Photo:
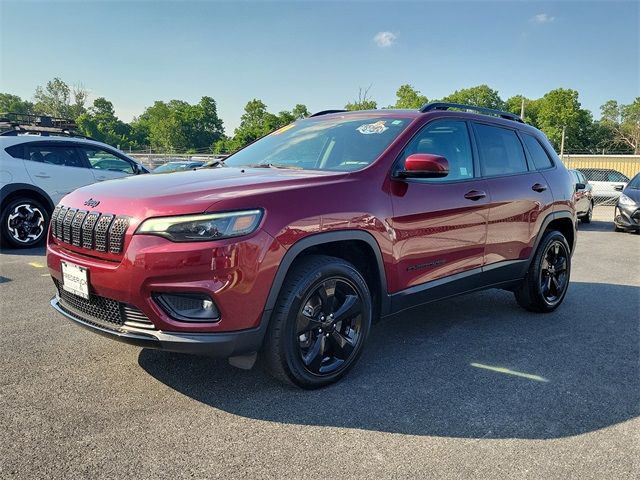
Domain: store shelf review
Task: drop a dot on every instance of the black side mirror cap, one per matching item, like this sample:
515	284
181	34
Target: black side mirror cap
580	186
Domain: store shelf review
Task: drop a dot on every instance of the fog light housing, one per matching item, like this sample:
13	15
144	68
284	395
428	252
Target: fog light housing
188	307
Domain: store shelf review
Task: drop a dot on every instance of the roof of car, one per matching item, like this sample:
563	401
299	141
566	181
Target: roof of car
15	139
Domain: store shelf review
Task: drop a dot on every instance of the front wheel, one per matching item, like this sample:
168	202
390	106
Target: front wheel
545	285
24	223
320	322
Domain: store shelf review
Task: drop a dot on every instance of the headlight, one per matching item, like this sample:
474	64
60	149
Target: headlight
205	227
624	200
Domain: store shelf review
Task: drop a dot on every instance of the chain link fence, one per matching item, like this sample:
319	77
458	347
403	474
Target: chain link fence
607	174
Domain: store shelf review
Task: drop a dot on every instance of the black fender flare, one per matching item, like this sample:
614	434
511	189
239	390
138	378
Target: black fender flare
10	188
548	219
318	239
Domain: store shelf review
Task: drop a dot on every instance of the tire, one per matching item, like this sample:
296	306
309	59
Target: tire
547	280
305	345
24	223
586	218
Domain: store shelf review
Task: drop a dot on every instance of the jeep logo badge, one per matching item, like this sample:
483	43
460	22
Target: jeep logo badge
92	203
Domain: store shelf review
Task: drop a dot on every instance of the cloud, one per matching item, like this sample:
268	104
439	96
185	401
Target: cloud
385	39
542	18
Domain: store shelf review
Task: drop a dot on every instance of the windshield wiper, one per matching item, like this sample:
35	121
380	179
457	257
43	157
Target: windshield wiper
273	165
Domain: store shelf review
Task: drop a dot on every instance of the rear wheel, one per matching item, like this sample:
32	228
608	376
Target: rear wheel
586	218
320	322
545	285
24	223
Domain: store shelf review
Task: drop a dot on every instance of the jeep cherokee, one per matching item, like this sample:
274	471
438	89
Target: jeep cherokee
311	233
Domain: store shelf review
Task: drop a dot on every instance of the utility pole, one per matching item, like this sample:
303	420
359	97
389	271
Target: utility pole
522	109
564	129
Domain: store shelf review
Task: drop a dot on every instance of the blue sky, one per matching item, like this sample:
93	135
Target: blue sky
318	53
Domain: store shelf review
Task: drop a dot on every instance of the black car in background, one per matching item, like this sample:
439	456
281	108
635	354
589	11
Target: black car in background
627	212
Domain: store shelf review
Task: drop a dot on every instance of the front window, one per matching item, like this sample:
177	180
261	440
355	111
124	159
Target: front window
333	144
101	159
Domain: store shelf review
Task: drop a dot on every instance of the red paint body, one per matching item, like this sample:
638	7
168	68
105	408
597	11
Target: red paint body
413	224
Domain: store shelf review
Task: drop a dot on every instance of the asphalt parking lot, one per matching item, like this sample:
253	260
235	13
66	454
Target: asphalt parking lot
472	387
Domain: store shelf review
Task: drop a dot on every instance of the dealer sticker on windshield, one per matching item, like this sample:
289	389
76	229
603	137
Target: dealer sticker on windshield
371	128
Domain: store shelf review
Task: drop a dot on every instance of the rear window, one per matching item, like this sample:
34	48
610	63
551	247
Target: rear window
16	151
501	152
538	154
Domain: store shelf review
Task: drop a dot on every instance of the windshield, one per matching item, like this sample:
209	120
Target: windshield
635	182
333	144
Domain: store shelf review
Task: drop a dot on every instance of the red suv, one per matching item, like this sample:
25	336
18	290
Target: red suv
294	246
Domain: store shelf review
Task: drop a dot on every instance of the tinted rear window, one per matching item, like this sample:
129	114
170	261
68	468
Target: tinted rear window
538	154
501	152
16	151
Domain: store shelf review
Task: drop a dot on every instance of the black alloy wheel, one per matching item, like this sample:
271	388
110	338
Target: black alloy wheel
554	277
329	326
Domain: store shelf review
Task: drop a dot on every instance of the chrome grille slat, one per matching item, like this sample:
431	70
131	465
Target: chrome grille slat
87	229
60	221
116	234
76	227
91	230
66	225
101	231
54	219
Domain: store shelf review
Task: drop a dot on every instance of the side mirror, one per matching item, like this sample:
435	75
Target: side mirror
580	186
425	165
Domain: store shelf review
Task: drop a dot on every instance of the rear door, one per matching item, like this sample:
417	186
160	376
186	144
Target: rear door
56	167
104	163
520	195
440	224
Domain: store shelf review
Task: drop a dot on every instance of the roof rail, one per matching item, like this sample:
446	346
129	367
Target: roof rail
12	124
487	111
326	112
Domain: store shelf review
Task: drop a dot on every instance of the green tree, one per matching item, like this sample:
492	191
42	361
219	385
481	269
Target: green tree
623	122
480	96
14	104
514	105
560	108
101	123
300	111
409	97
363	102
59	100
177	126
256	122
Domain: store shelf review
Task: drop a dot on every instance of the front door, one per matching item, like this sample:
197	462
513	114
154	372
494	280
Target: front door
440	224
56	168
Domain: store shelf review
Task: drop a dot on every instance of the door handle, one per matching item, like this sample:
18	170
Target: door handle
475	195
538	187
42	176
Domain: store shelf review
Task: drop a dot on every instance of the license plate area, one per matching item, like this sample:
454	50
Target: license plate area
75	279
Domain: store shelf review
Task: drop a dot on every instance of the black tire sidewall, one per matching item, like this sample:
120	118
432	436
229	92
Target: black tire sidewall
7	239
295	367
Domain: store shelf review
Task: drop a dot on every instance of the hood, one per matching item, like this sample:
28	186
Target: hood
191	191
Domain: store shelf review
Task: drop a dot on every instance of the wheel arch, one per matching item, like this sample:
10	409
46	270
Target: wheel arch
562	221
355	246
16	190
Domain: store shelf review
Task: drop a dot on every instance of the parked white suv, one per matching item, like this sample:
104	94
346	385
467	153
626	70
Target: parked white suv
36	171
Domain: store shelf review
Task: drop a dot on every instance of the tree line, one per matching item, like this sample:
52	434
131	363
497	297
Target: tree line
178	126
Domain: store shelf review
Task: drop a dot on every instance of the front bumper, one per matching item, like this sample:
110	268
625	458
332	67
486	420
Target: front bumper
627	217
222	345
